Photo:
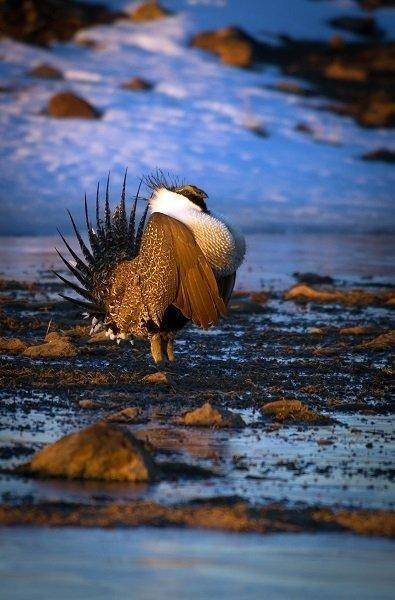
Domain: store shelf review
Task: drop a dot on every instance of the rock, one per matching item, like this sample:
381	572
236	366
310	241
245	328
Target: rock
324	442
89	404
354	330
317	330
304	128
260	297
381	342
43	21
344	72
377	111
12	345
231	44
291	87
137	84
381	154
248	307
66	105
132	414
159	377
55	345
89	43
255	127
305	293
149	11
45	71
336	42
285	410
210	416
101	451
312	278
366	26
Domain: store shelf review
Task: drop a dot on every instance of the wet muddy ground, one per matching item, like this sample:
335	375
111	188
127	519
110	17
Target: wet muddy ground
271	474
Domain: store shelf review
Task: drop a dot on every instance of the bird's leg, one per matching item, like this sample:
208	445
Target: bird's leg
163	346
170	349
156	347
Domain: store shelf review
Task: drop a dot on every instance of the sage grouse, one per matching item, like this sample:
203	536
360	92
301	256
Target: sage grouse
149	281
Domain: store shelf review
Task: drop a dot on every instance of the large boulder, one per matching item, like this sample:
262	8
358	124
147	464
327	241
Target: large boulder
231	44
101	451
66	105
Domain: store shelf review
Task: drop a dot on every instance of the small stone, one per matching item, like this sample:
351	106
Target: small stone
137	84
317	330
12	345
381	154
210	416
55	345
356	297
291	87
288	410
304	128
159	377
343	72
354	330
45	71
101	451
231	44
66	105
127	415
88	404
337	42
246	306
149	11
260	297
378	111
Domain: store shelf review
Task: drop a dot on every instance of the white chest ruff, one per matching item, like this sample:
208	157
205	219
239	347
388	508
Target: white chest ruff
222	245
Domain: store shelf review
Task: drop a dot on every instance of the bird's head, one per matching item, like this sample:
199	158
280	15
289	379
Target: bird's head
171	197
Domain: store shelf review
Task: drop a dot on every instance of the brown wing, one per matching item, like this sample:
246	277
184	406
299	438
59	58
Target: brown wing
173	270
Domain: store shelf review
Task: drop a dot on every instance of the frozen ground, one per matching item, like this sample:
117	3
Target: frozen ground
190	124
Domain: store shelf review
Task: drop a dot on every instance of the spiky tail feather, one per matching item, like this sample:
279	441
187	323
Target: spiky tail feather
116	239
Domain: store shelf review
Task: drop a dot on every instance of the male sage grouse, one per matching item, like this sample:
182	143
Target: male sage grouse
149	281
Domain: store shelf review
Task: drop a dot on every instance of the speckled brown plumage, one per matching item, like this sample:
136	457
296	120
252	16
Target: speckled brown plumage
169	270
148	283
